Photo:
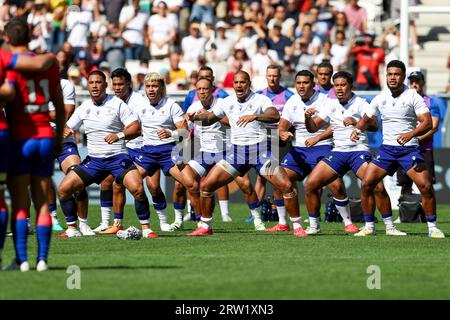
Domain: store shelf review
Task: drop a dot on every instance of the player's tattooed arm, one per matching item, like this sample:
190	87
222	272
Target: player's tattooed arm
312	123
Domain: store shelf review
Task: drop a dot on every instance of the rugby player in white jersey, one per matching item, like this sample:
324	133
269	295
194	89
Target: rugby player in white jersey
342	114
68	159
211	148
400	108
121	82
108	121
307	148
163	125
246	112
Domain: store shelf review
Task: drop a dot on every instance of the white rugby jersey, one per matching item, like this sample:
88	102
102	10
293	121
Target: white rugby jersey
211	137
69	96
399	115
162	116
112	116
294	112
254	132
135	100
334	113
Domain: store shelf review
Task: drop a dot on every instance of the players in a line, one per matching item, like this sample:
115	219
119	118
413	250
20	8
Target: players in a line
400	108
108	121
246	112
32	145
308	148
342	114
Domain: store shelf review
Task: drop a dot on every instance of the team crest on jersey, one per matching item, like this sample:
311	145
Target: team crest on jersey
139	158
377	157
413	158
329	158
362	157
123	164
70	149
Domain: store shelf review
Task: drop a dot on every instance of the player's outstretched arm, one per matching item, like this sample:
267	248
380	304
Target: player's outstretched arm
37	63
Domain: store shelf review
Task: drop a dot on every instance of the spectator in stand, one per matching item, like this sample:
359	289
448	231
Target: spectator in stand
63	62
74	76
173	7
356	16
239	55
263	58
84	67
395	14
292	10
193	46
193	78
341	24
133	28
287	24
326	55
77	23
202	11
390	42
57	34
112	10
233	69
171	85
175	71
222	46
277	41
114	48
67	49
339	51
161	32
288	74
303	59
40	21
314	42
250	32
96	52
236	13
369	59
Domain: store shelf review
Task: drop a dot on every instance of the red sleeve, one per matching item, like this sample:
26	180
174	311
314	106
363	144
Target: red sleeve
382	55
11	77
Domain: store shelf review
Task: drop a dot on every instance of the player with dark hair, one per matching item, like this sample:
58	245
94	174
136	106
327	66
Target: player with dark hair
400	108
32	147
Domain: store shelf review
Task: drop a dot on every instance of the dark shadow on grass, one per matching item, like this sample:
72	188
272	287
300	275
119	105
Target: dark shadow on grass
117	268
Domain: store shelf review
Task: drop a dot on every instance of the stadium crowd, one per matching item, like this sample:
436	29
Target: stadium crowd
133	136
232	35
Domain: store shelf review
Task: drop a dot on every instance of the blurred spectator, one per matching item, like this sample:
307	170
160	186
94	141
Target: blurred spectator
74	76
161	32
239	55
139	79
95	52
67	49
175	71
112	9
326	55
193	46
84	67
287	24
263	58
114	48
222	45
303	59
77	23
171	84
173	9
323	74
202	11
277	41
250	32
339	51
321	19
292	10
236	13
310	38
390	42
287	74
57	34
193	78
234	68
341	24
356	16
64	63
40	21
369	58
133	25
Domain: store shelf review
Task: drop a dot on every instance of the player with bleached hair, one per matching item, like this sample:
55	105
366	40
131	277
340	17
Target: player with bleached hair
343	114
400	108
246	112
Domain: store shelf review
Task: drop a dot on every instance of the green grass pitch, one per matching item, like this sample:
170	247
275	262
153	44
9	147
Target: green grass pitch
239	263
